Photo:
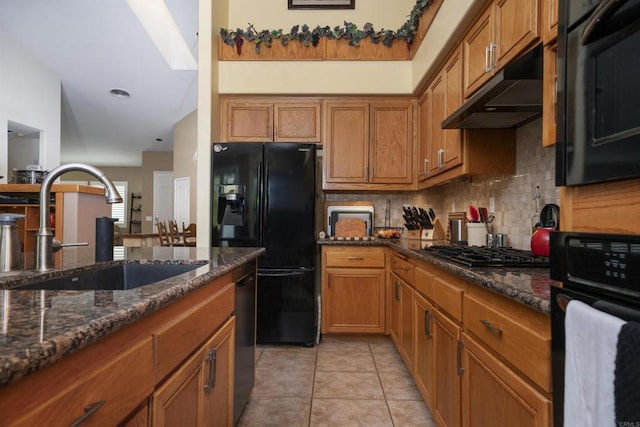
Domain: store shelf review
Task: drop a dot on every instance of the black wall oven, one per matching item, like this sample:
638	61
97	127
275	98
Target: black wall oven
598	91
600	270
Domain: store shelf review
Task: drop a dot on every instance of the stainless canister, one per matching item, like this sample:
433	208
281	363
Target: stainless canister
10	250
457	230
496	240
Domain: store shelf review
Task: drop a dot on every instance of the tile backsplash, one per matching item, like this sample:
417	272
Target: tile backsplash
513	194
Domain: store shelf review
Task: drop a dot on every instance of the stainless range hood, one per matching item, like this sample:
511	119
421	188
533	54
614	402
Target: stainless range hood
510	99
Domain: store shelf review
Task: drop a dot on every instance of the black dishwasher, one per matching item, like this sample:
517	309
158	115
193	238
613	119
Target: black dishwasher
245	347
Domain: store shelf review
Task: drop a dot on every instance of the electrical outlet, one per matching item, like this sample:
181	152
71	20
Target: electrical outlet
148	218
492	204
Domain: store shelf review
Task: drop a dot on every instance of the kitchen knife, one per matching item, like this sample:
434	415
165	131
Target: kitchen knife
432	214
425	220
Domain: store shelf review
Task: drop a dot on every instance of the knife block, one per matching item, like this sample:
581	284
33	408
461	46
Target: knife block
413	234
435	233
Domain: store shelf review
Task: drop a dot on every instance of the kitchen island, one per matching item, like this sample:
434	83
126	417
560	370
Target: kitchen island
58	347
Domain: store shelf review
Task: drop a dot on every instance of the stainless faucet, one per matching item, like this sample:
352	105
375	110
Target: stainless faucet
44	238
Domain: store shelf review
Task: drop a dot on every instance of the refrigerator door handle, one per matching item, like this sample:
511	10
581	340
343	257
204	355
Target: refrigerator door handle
265	209
259	204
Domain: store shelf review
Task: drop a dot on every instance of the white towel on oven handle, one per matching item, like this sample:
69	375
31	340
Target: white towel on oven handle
591	337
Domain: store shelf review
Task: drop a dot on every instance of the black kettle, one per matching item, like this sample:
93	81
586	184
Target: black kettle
550	216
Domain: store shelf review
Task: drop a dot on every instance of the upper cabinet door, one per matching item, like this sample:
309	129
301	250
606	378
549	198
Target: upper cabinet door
505	30
391	143
516	28
247	121
549	21
453	101
477	47
297	122
424	136
346	148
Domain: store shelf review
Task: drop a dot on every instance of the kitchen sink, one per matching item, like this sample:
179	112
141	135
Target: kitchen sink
115	278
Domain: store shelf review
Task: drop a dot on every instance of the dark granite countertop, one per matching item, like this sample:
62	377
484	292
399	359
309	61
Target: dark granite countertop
528	286
39	327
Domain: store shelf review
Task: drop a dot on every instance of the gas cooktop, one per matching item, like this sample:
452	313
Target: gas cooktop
476	256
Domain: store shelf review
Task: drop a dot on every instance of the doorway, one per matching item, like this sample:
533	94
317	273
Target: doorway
162	196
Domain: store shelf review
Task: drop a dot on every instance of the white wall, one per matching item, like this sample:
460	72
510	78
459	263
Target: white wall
31	95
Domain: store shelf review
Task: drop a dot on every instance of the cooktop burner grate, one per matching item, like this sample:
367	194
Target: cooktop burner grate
475	256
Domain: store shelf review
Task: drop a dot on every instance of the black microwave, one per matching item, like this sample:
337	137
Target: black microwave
598	122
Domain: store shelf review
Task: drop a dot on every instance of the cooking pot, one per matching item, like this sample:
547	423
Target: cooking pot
550	216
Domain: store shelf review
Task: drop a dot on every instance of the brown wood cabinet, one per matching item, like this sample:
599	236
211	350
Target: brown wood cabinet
446	96
549	21
447	402
424	367
479	358
503	31
495	396
353	289
200	393
484	152
254	119
549	95
402	318
368	144
99	396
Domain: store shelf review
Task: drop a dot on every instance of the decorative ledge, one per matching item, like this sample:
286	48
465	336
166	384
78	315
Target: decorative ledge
334	49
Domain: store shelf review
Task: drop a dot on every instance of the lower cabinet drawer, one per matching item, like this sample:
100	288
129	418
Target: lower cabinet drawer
176	341
104	398
526	349
404	269
350	256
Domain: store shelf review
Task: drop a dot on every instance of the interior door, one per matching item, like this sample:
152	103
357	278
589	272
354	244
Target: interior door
162	195
182	200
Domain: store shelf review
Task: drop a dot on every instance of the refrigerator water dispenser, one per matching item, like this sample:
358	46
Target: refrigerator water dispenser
231	204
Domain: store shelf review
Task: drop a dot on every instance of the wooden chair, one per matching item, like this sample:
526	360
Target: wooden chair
164	235
174	234
189	234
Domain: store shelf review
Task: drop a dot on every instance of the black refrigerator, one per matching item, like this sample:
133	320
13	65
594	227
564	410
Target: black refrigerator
265	195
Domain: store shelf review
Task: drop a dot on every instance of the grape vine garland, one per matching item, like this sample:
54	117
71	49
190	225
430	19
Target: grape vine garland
311	37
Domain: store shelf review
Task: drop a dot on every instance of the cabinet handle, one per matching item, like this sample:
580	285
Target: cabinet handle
427	324
459	358
405	268
88	411
211	383
487	66
492	49
491	328
355	258
440	158
397	291
426	166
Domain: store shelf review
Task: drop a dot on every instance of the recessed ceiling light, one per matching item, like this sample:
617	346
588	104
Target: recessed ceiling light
120	93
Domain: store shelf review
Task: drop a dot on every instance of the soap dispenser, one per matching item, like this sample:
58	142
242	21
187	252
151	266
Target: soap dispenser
10	250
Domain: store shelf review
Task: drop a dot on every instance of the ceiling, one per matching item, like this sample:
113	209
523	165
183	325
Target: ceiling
98	45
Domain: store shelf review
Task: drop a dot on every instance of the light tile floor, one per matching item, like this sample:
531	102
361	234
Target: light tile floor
344	381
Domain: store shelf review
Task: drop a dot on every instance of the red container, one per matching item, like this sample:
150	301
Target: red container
540	241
